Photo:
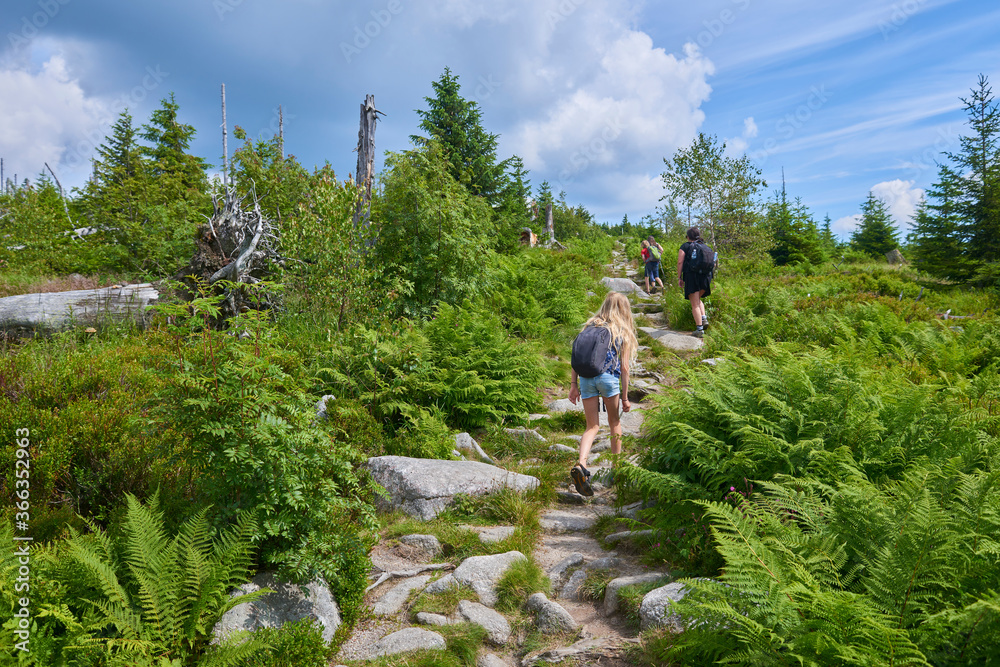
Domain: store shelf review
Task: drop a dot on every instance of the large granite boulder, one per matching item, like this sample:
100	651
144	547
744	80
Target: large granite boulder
623	285
53	311
551	617
406	640
673	340
656	609
424	487
480	573
611	591
497	627
287	604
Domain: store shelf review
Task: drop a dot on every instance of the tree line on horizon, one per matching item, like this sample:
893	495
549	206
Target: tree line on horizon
148	195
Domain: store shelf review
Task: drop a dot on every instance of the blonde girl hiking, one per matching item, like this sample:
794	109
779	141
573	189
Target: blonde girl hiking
610	381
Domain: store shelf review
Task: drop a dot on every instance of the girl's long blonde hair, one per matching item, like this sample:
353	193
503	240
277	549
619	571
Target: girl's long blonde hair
616	314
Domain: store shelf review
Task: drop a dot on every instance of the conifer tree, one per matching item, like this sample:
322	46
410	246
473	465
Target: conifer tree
169	141
977	174
456	125
827	241
877	234
937	242
795	236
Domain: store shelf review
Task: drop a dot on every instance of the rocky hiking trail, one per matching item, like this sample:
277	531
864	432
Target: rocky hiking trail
572	622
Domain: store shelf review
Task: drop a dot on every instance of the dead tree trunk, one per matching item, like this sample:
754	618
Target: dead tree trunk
549	225
225	145
238	245
366	161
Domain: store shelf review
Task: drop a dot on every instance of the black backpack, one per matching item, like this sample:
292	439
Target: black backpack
700	258
590	351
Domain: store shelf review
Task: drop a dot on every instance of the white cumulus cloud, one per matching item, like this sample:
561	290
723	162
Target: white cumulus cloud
901	199
47	118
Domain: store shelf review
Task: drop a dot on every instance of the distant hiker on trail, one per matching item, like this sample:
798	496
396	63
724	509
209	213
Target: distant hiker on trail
695	262
602	353
652	253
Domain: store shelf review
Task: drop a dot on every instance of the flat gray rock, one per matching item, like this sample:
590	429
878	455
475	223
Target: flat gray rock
562	448
424	487
614	538
490	660
656	608
428	544
496	626
615	585
396	597
480	573
571	589
464	442
54	311
624	286
427	618
551	617
528	434
562	521
406	640
492	534
558	571
674	340
570	498
287	604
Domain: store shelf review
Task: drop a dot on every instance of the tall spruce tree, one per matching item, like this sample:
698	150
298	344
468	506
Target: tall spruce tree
937	241
796	238
455	123
169	141
877	234
975	175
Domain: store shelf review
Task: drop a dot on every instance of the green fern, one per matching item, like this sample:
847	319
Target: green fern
157	596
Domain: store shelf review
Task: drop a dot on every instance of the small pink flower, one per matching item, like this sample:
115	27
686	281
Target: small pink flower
732	488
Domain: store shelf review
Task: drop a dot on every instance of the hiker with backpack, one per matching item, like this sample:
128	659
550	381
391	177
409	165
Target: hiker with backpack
602	353
695	263
652	253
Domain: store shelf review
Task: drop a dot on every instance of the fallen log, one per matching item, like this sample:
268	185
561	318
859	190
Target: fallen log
46	312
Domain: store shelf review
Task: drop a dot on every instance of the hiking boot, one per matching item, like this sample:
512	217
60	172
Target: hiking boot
699	332
704	322
581	479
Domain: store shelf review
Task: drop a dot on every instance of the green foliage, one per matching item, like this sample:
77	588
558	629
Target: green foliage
433	235
460	366
720	193
154	597
519	582
455	124
538	289
83	401
332	262
876	233
298	644
146	201
280	183
247	428
796	238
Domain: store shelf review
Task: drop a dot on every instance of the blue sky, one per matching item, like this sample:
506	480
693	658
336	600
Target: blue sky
846	97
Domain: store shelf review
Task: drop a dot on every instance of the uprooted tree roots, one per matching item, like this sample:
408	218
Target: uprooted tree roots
236	247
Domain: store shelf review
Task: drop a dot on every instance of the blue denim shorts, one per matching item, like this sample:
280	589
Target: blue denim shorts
605	384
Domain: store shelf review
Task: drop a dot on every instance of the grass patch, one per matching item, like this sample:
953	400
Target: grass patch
595	584
518	583
445	602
